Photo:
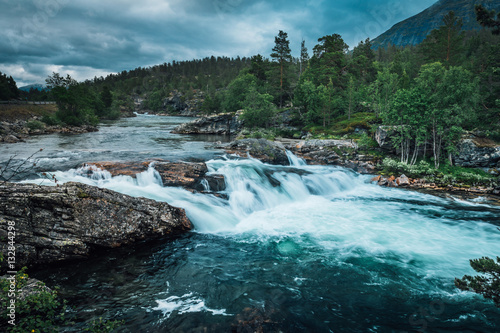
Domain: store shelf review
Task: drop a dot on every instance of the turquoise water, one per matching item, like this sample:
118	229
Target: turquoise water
292	249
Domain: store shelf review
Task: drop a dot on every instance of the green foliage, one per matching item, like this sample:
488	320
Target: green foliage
282	56
77	105
237	92
261	133
487	284
362	120
488	19
328	61
212	104
259	109
445	43
41	311
35	125
155	100
106	97
445	175
50	120
383	89
8	88
366	142
420	170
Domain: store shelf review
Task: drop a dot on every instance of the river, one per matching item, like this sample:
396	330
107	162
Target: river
295	249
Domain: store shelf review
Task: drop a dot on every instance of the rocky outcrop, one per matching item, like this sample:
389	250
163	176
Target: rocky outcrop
18	131
261	149
68	222
223	124
383	137
478	153
190	176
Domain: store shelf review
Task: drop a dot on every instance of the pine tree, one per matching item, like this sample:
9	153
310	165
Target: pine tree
282	55
445	43
304	57
488	284
487	19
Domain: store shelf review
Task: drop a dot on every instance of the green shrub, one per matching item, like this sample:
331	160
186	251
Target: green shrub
50	120
366	142
446	174
42	311
35	125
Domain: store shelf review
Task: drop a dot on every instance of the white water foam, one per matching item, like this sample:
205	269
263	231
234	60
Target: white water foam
185	304
327	208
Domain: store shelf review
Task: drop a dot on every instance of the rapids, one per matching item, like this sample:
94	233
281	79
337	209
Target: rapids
297	248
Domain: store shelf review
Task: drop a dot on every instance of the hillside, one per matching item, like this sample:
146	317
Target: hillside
413	30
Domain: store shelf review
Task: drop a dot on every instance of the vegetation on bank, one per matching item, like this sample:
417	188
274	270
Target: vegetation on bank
38	309
445	175
486	284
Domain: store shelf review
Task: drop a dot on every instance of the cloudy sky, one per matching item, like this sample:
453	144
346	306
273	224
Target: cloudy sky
87	38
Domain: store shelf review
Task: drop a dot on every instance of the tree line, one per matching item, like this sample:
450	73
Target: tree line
428	94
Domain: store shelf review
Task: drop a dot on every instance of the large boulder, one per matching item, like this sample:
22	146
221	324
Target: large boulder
261	149
477	153
49	224
224	123
383	137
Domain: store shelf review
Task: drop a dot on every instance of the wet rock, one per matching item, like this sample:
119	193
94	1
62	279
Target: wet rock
119	168
261	149
68	222
403	180
191	176
182	174
222	124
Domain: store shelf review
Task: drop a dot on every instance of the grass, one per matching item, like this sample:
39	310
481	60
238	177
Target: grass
13	112
344	128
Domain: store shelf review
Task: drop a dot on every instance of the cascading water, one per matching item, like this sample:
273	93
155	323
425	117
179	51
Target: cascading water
292	249
315	248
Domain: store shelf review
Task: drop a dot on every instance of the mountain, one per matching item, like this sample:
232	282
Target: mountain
413	30
36	86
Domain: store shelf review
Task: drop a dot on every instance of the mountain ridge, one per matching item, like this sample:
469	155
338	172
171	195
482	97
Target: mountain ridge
413	30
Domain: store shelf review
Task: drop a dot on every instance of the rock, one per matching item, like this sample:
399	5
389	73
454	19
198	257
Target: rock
403	181
383	181
182	174
322	157
191	176
383	137
175	102
314	145
261	149
68	222
477	153
117	168
222	124
11	139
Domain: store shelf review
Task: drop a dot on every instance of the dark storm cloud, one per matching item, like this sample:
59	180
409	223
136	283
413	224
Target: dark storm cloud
96	37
